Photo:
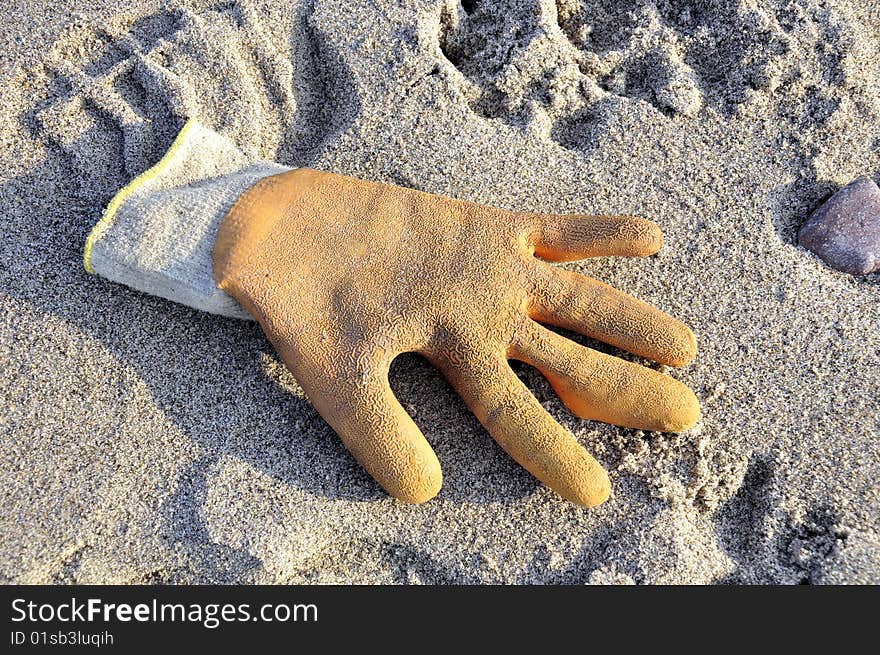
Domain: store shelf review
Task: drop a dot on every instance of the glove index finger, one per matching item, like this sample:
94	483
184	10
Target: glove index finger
524	429
567	237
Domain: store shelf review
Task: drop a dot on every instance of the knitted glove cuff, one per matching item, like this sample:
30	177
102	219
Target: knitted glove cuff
157	234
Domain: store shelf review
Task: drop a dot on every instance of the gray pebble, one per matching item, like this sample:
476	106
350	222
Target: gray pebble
845	231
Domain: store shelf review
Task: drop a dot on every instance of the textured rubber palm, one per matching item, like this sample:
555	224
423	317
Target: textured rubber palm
344	275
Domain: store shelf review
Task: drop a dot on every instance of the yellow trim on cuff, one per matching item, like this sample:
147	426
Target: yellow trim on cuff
123	194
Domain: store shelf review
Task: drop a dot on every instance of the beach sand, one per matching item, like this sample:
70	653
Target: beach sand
142	441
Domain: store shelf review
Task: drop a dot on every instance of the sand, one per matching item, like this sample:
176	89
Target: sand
142	441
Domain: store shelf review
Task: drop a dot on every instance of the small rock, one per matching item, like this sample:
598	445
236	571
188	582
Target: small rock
845	231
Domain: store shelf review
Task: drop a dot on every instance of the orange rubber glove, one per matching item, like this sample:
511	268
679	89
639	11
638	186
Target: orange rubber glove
344	275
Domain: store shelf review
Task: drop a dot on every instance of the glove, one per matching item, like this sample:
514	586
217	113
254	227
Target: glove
344	274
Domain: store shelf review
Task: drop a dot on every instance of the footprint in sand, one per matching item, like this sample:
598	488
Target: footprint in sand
141	81
566	63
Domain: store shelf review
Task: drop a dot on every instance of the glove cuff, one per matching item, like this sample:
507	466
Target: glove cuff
157	234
